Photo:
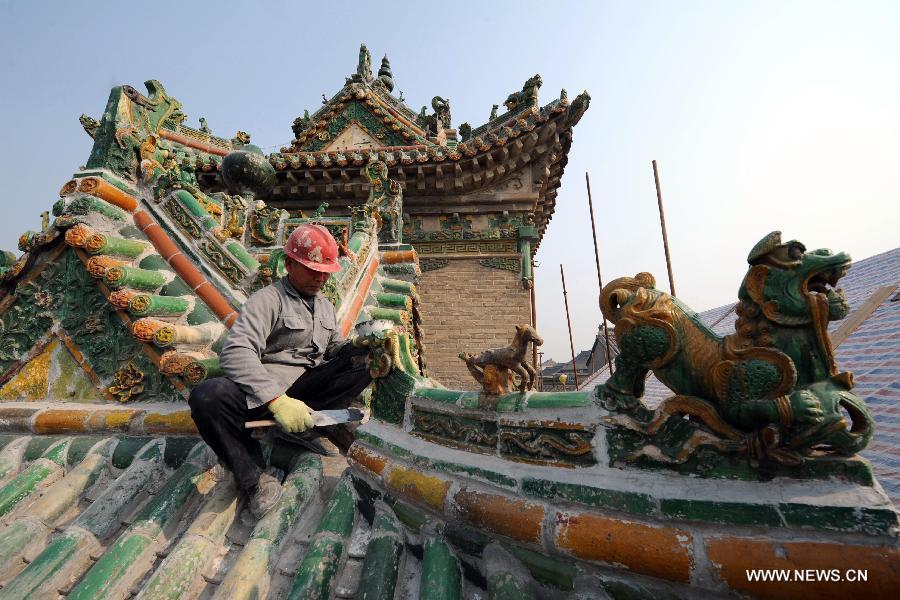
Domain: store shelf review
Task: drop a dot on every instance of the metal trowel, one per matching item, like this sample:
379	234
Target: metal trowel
321	418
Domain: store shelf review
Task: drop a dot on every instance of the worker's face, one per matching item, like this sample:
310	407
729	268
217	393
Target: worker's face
305	280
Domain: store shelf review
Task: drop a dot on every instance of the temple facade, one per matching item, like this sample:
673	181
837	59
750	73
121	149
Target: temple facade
476	200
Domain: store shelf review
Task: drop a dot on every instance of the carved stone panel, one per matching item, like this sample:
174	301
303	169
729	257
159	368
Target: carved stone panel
455	431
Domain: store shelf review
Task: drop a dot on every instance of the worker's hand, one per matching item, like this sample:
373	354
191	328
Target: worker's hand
291	414
358	341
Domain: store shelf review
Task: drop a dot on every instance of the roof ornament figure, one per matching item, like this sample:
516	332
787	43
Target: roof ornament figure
385	203
301	123
90	124
240	139
527	97
441	111
772	389
204	127
493	112
384	74
364	67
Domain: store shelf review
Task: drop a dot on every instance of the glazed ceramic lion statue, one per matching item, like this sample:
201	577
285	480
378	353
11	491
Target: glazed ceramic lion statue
772	388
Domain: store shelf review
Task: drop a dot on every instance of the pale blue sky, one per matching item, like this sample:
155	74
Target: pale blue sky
762	115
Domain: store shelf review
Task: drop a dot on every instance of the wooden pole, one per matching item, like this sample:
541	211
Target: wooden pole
587	179
662	222
534	349
541	372
569	322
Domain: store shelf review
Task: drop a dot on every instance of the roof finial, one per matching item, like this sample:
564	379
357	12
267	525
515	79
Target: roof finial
385	75
364	67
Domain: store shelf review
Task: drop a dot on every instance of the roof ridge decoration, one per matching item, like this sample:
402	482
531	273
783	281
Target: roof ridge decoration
166	265
314	133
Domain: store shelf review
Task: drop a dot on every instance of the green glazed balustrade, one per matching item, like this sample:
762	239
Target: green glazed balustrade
316	573
200	370
506	586
262	549
52	461
100	243
133	277
86	204
201	314
181	569
48	571
400	317
391	300
151	305
440	579
155	262
398	286
29	532
141	536
382	563
193	206
240	253
508	402
357	241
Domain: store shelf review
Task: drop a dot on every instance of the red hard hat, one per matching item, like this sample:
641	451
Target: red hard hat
313	247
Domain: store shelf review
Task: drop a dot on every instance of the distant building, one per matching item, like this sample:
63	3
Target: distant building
587	363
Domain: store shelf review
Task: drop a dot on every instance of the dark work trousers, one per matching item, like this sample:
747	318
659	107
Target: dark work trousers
219	408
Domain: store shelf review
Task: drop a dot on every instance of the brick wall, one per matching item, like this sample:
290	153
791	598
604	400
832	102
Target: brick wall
468	308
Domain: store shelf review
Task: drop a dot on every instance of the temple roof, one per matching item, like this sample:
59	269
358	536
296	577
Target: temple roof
141	261
442	169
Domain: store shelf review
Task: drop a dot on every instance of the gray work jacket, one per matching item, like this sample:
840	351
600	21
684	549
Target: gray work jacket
275	339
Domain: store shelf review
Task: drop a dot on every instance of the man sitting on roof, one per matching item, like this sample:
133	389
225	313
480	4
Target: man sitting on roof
283	357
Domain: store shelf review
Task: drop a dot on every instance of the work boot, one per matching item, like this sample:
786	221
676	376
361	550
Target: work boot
264	496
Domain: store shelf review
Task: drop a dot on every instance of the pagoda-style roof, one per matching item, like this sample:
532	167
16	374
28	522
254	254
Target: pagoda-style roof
141	272
521	153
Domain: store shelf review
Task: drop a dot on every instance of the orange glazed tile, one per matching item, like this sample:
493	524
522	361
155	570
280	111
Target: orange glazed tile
731	558
107	191
501	514
179	422
416	486
657	551
369	460
60	421
362	291
398	256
